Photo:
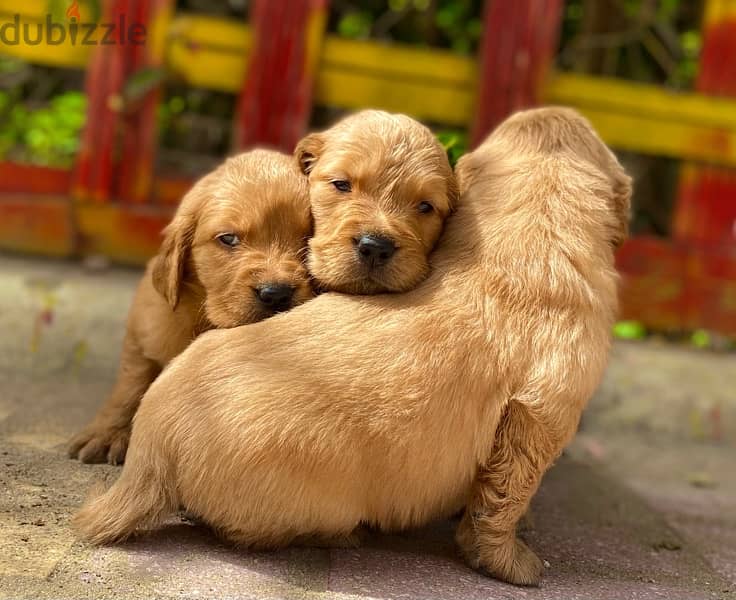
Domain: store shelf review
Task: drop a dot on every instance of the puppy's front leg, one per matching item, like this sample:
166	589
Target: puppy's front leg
106	437
524	448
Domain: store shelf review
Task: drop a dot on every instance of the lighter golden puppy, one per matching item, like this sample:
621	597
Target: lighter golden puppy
380	188
396	409
233	254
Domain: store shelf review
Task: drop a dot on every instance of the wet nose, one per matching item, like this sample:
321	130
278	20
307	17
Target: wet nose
375	250
276	296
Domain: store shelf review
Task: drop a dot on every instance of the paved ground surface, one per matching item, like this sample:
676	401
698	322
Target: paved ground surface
643	504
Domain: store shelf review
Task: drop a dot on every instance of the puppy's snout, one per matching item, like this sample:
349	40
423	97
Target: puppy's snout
276	297
375	250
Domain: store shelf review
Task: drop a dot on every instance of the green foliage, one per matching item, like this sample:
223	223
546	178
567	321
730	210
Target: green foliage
195	122
455	143
141	82
629	330
168	112
686	68
453	24
700	338
455	21
7	134
48	135
654	42
355	25
9	65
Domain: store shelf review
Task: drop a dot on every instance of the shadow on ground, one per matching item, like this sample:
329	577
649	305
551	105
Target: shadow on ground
635	509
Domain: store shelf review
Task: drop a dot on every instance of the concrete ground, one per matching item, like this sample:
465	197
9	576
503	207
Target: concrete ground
643	504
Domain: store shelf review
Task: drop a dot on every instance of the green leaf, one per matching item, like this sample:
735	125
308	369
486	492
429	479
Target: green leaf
397	5
355	25
10	64
141	82
177	105
691	42
700	338
455	143
629	330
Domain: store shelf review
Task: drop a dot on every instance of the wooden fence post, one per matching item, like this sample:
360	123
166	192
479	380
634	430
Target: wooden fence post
706	208
276	99
117	154
93	177
518	44
140	135
705	212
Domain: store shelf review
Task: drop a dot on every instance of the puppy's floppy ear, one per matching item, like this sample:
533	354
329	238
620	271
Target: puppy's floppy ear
465	170
584	141
621	203
308	151
453	192
168	266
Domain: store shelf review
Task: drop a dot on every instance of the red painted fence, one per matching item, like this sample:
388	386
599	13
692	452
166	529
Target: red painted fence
118	204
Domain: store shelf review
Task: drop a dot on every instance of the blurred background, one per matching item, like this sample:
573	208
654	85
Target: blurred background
99	141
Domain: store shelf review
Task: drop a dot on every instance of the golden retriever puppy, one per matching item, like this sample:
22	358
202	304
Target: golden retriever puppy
380	188
396	409
378	215
233	254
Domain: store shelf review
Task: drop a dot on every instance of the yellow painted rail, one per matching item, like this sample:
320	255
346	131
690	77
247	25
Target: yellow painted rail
429	84
650	119
433	85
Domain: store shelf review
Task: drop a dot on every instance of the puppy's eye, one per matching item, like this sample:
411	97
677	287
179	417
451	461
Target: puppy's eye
228	239
342	185
425	208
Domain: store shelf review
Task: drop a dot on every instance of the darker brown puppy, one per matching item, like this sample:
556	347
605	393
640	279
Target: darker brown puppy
380	188
233	254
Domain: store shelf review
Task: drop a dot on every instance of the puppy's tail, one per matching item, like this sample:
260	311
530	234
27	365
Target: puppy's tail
141	498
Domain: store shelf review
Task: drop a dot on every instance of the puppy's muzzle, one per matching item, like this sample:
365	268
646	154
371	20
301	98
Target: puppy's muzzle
275	297
375	250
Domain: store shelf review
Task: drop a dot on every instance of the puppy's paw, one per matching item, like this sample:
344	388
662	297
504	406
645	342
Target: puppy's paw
512	561
99	443
521	566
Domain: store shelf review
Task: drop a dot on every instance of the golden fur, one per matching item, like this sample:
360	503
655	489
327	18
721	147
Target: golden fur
196	283
394	167
396	409
188	289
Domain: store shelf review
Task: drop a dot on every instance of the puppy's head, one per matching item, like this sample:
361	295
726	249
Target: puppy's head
562	132
380	188
239	236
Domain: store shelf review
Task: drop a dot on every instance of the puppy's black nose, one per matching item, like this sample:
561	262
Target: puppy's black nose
276	296
375	249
